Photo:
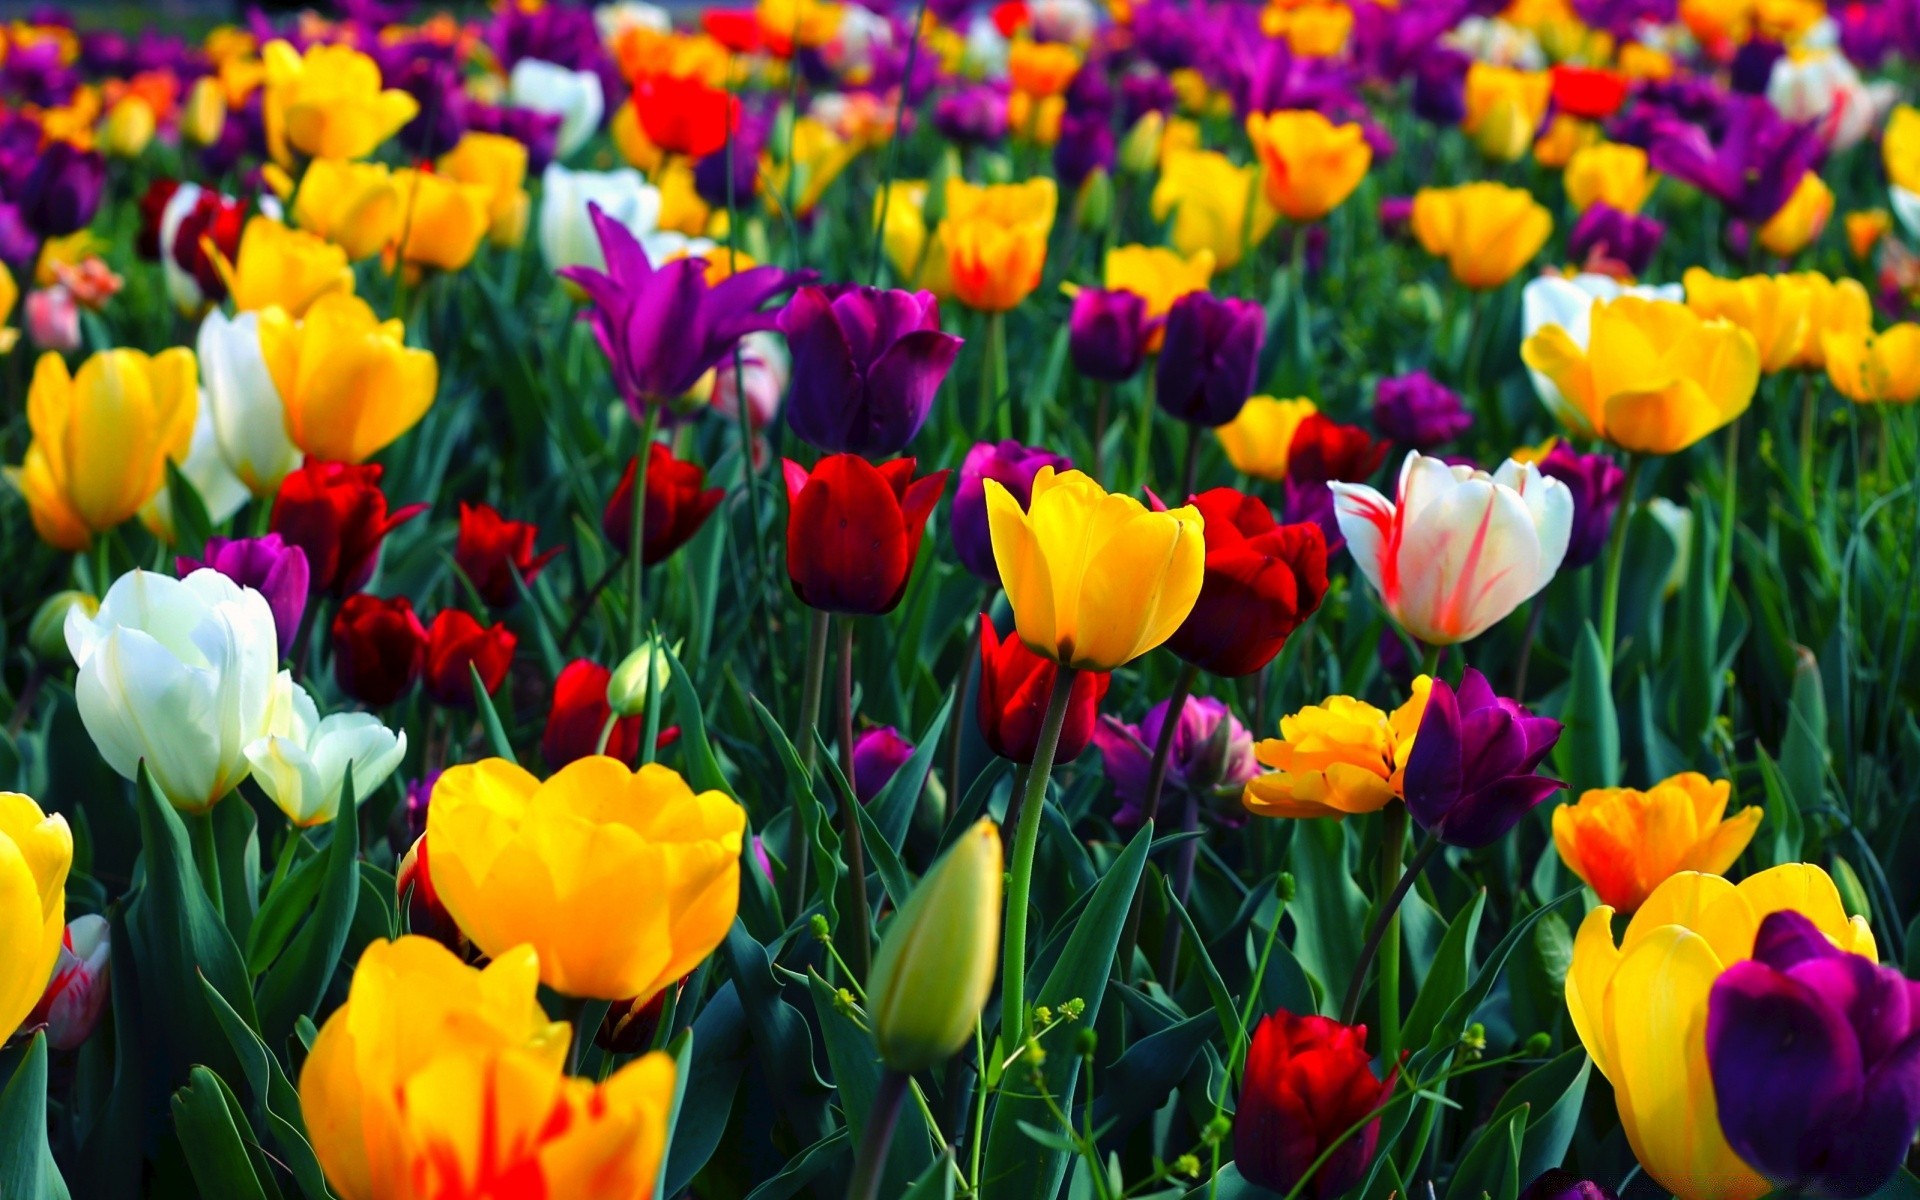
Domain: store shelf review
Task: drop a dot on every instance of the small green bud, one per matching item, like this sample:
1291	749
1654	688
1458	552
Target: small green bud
1073	1009
1095	202
48	633
1140	149
1284	888
1188	1165
1217	1130
844	1003
1042	1015
822	932
630	686
1085	1041
1033	1054
1537	1046
1474	1041
1419	303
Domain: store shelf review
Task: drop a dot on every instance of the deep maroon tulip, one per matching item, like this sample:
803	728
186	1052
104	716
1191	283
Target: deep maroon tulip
1262	580
379	647
1440	86
1565	1185
854	530
435	85
62	192
974	115
1015	685
1208	359
866	365
1604	235
337	513
1418	410
1013	467
678	504
1309	1080
457	642
1471	775
877	755
1211	752
1597	483
491	549
579	715
1815	1056
1085	145
269	566
1323	450
1107	333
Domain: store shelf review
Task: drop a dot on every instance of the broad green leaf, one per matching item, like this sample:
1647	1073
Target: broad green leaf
26	1164
207	1120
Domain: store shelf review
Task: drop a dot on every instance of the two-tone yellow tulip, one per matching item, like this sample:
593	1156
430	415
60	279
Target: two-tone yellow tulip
996	240
1207	196
1624	842
1336	758
1609	173
820	156
1259	442
350	383
102	438
1159	276
1640	1009
1654	376
1875	368
1095	580
1775	309
129	127
356	206
1485	231
1505	108
498	164
622	880
204	115
328	102
1311	164
1833	306
442	220
1800	220
280	267
36	851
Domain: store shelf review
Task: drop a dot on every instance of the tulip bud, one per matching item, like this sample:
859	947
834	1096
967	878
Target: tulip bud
631	685
1095	203
129	127
1853	896
47	636
205	114
1140	149
936	962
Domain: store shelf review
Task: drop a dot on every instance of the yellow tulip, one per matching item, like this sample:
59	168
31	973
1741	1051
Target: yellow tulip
441	220
328	102
1641	1011
1654	377
498	164
1505	108
1624	842
1565	137
9	296
1865	228
1336	758
102	438
919	259
820	156
436	1078
1875	368
1900	148
1800	220
996	240
129	127
1310	30
350	384
1041	68
1833	306
36	851
681	208
284	268
1311	164
1207	197
205	113
1259	441
1095	580
936	964
1485	231
630	139
623	881
1775	309
356	206
1612	174
1035	119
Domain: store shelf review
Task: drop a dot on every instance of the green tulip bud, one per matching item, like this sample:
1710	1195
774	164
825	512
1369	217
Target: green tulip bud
1140	149
630	686
1095	203
48	633
936	963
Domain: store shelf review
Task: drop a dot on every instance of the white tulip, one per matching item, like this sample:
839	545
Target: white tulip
1460	549
613	20
249	419
567	237
1568	303
304	771
220	490
1906	207
182	287
1824	88
181	673
549	88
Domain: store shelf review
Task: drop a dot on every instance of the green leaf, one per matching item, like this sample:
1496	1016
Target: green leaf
1903	1186
286	903
827	867
856	1073
1697	684
803	1168
1553	1094
935	1183
780	1035
1782	826
191	524
1452	965
892	809
713	1076
294	985
1491	1164
1446	1033
26	1164
1803	746
1588	753
276	1105
207	1120
1139	1080
489	719
1330	911
681	1050
703	769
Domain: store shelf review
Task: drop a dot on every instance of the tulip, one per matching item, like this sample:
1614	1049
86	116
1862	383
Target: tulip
1459	549
1505	109
1624	842
1259	442
182	674
1337	758
934	970
1875	368
350	383
444	219
567	201
286	268
459	646
685	116
1485	231
1609	173
974	115
204	115
580	714
1565	1185
1642	1010
249	420
866	366
1108	334
1418	411
337	514
1569	303
1095	580
70	1008
1015	684
996	240
762	378
878	754
327	102
379	648
1470	776
268	565
62	191
304	770
1597	484
1590	93
1310	164
518	862
492	551
1158	276
820	155
1834	306
1795	225
1655	377
203	470
1207	197
1775	309
574	96
499	165
36	851
102	438
439	1077
1325	450
47	632
1308	1081
1209	359
1261	581
52	320
1209	752
356	206
1865	230
854	530
197	239
1607	238
677	505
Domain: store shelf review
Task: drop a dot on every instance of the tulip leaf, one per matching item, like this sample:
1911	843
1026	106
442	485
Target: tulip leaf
825	844
1553	1093
191	524
1491	1164
856	1075
893	808
703	768
276	1105
1447	978
680	1049
1782	825
975	804
26	1164
293	986
207	1120
286	902
103	1167
236	832
713	1076
780	1035
803	1168
1698	684
1446	1033
1588	753
489	720
1139	1080
934	1183
1330	911
1803	746
886	863
1903	1186
1195	944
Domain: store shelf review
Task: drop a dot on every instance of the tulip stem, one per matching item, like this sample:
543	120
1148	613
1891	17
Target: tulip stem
1013	997
637	536
1190	466
888	1097
1616	557
1729	483
861	949
1387	915
1103	400
206	853
809	754
1150	803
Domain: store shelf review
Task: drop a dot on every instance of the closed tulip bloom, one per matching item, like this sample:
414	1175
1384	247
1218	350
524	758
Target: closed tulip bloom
379	648
1324	450
1418	411
102	438
518	861
350	383
284	268
1775	309
444	219
1209	359
491	550
1158	276
337	513
1459	549
1641	1009
1833	306
204	115
1336	758
304	770
249	420
1095	579
567	199
1015	684
877	755
678	504
1800	220
1624	842
685	116
1875	368
1654	377
854	530
328	102
1605	237
578	715
182	674
1259	441
1309	1080
1262	581
356	206
457	647
1211	753
1590	93
62	190
1311	164
1207	195
497	164
36	851
996	241
129	127
1505	109
77	993
576	97
1470	776
1597	484
1107	334
867	363
1609	173
936	962
268	565
1485	231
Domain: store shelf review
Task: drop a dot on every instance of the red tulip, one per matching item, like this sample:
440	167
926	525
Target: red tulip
677	505
426	915
1324	450
1309	1080
455	641
491	548
738	29
854	530
580	712
378	648
685	116
337	513
1262	580
1015	684
1591	93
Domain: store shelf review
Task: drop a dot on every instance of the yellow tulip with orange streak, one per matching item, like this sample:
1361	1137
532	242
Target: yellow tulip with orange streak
1624	842
995	239
1505	109
1311	164
1337	758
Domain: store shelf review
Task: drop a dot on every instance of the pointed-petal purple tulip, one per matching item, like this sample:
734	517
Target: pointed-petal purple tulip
867	363
1471	775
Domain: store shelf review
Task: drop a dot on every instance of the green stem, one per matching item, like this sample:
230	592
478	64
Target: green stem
809	755
1150	806
1729	482
861	916
637	537
206	855
1393	842
1013	1002
1389	910
878	1138
1616	558
1143	437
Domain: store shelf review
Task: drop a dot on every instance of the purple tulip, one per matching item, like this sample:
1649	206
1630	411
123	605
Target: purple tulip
866	365
1440	87
1752	67
1396	216
1085	146
1471	775
1107	333
419	799
539	132
434	83
1597	483
1621	17
974	115
877	755
18	245
274	568
1167	33
1754	165
1565	1185
749	139
62	192
1209	357
1142	94
1013	467
664	327
1417	410
1211	750
1815	1056
1605	232
1310	501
